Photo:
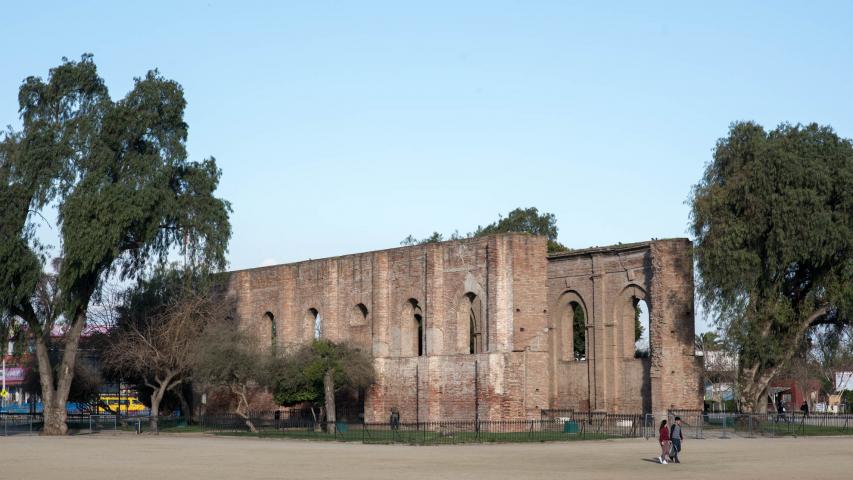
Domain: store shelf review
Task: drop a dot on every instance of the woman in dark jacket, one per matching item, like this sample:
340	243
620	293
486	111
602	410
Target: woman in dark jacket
663	438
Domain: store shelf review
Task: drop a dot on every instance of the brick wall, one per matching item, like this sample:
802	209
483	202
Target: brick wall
606	282
505	274
520	296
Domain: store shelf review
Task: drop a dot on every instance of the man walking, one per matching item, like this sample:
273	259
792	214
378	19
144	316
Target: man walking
676	436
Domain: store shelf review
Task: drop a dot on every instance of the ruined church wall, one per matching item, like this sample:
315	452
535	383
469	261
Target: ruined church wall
606	282
367	299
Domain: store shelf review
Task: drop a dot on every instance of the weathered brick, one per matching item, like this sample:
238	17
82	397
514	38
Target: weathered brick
521	295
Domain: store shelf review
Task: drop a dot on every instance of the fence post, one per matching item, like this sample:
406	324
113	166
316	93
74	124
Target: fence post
725	420
751	434
700	433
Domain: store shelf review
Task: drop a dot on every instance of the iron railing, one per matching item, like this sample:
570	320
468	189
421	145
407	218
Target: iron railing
577	426
698	424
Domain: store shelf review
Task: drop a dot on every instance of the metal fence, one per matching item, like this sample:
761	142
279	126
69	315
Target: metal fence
15	423
553	425
576	426
698	424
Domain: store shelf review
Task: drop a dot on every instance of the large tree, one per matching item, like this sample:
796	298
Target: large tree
773	224
126	195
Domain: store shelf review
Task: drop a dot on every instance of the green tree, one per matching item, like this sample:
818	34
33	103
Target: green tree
707	341
579	326
773	223
520	220
126	196
314	373
638	325
229	357
526	220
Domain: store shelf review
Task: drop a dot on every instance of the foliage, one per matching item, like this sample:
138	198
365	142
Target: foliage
773	224
299	374
638	325
85	387
519	220
228	357
831	352
159	331
707	341
526	221
579	326
125	192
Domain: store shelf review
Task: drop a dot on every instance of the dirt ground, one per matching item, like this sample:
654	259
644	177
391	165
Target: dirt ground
130	457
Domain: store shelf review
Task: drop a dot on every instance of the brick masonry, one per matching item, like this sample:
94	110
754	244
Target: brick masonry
519	297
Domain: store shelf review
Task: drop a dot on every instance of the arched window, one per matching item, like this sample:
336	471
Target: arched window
578	319
269	318
413	328
312	318
359	315
642	345
472	308
419	320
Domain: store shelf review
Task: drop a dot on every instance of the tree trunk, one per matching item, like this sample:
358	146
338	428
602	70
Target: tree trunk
754	379
56	396
156	398
753	382
54	419
329	394
185	406
243	406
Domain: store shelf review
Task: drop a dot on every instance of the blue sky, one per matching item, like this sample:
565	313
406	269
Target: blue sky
345	126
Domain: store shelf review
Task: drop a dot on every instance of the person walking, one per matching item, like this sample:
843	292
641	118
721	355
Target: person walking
676	435
663	438
780	411
805	409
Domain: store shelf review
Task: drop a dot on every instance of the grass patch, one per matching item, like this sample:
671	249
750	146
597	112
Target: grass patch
422	437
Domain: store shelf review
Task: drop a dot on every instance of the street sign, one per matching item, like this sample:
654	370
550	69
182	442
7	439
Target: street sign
4	393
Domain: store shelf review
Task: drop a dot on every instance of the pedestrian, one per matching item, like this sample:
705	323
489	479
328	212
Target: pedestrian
676	435
780	411
394	420
663	438
805	409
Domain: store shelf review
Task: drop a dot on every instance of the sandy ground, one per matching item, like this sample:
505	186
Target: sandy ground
128	457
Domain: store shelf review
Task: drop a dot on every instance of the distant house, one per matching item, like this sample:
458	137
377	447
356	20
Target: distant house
792	394
720	374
